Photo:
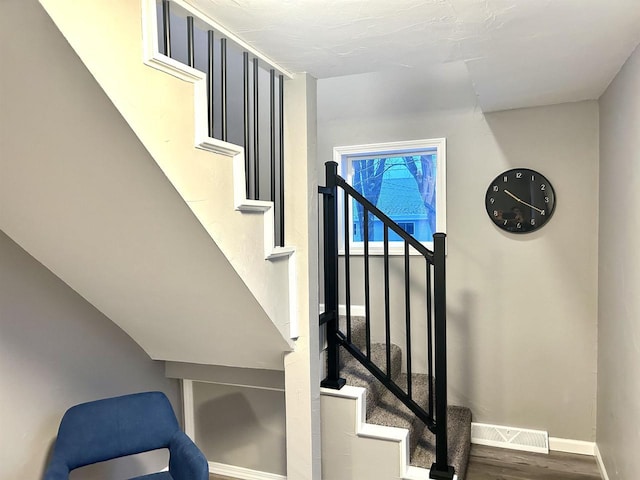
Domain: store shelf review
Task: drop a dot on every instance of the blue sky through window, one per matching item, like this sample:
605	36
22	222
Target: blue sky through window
403	187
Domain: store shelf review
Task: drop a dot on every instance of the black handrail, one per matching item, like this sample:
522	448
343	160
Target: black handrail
434	414
258	172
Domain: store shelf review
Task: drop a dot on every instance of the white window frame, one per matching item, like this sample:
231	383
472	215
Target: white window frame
343	155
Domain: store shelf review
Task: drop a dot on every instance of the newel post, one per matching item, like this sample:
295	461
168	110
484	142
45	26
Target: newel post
440	470
330	237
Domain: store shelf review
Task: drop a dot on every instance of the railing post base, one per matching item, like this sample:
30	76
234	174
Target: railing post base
335	384
438	474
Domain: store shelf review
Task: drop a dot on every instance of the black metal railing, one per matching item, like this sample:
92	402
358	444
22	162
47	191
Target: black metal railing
235	119
434	412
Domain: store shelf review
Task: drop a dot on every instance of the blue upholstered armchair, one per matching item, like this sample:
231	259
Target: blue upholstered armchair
115	427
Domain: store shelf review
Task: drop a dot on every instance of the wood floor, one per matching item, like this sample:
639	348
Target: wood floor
487	463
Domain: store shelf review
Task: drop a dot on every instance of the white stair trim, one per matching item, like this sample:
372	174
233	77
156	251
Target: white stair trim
153	58
388	434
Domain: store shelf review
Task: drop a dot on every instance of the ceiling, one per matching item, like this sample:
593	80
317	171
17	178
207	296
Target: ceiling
518	53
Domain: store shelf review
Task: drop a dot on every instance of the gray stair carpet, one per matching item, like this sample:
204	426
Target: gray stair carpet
383	408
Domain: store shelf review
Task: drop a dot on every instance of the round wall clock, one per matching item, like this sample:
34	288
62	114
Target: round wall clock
520	200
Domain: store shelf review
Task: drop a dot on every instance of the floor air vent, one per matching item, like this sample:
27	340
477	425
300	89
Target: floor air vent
510	437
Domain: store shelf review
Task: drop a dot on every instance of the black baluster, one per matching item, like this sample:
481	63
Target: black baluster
407	314
245	73
166	22
347	266
256	131
190	48
367	302
210	72
387	317
281	134
223	88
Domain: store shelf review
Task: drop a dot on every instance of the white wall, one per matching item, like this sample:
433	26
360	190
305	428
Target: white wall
618	423
521	309
56	350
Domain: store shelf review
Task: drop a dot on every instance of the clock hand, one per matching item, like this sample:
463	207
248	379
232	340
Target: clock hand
522	201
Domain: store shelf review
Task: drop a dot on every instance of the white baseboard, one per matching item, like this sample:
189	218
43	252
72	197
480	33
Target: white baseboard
600	462
242	473
567	445
356	310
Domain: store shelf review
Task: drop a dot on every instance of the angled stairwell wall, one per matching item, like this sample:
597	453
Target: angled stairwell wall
82	194
162	110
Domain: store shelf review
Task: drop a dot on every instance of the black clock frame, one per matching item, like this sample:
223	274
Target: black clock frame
520	200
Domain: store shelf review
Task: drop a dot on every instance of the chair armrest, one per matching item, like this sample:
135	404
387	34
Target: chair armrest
186	461
57	470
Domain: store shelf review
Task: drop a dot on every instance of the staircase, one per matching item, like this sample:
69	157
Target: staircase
407	411
401	429
137	208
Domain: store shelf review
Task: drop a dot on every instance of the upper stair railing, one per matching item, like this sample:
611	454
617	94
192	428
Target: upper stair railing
434	413
245	98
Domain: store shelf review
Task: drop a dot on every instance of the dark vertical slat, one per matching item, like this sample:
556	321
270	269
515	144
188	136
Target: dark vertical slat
429	340
191	61
407	314
272	131
440	333
330	203
367	309
281	134
256	131
166	24
247	150
347	267
210	72
387	317
223	88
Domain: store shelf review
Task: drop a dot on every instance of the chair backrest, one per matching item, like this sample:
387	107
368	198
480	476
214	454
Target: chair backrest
115	427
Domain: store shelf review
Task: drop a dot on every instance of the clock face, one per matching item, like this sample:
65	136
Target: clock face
520	200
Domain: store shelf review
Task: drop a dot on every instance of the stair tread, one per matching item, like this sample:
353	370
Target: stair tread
357	375
391	412
459	438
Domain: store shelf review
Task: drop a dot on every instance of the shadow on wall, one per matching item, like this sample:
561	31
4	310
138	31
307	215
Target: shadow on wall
243	428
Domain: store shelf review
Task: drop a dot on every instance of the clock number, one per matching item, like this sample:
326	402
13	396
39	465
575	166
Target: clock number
533	221
519	225
492	200
504	179
518	174
546	199
505	222
533	178
495	188
495	213
542	212
543	187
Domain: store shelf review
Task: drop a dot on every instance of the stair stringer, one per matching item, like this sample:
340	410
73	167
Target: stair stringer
171	122
375	452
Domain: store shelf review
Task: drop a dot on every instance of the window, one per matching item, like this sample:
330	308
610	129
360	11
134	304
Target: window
405	180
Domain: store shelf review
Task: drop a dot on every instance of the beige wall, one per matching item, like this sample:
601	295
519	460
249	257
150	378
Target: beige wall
521	309
241	426
56	350
618	423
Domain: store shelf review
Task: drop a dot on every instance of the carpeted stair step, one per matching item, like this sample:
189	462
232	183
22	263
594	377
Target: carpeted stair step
358	376
391	412
358	330
459	438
